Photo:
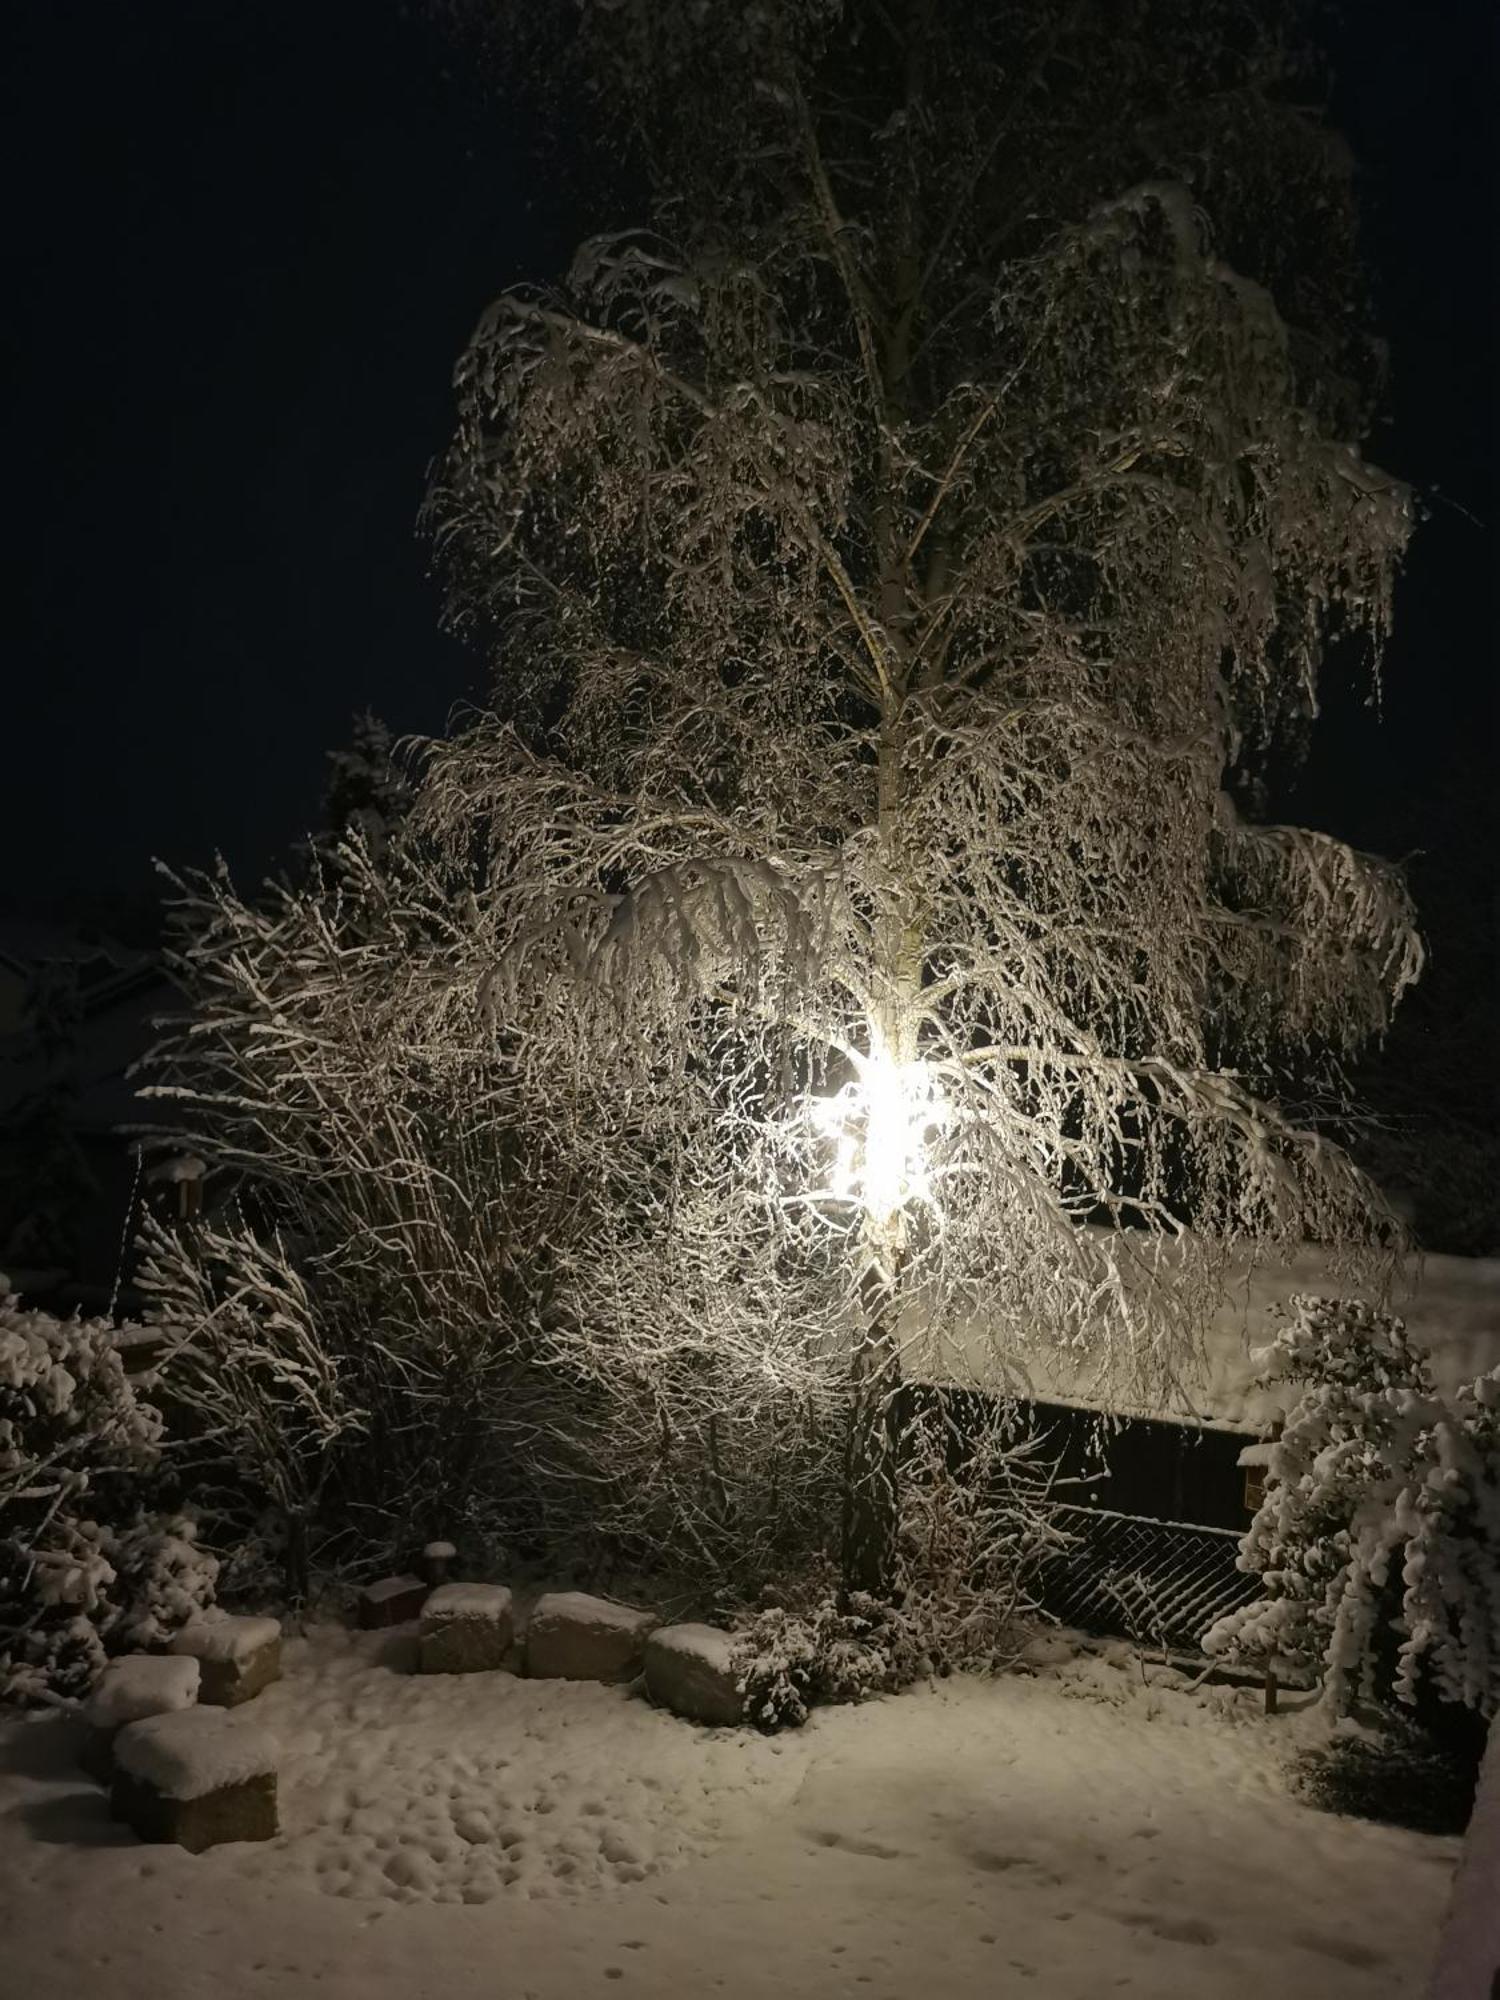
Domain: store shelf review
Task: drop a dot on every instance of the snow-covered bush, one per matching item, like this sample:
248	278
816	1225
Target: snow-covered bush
67	1407
789	1662
975	1519
369	1327
87	1590
163	1579
1378	1540
439	1305
84	1571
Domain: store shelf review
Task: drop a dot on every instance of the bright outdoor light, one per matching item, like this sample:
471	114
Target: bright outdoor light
880	1122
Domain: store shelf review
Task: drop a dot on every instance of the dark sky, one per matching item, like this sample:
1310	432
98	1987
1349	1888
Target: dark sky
247	241
253	237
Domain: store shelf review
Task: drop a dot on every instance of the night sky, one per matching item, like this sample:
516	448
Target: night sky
253	239
247	243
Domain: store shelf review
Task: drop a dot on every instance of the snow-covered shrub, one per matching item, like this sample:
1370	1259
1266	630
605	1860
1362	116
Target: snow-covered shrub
163	1579
67	1408
439	1306
83	1570
789	1662
1378	1540
88	1590
974	1520
363	1325
777	1662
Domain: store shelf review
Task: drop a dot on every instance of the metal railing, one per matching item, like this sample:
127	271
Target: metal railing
1160	1583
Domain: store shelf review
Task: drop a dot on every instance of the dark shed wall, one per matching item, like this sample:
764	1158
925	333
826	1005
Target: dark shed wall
1136	1465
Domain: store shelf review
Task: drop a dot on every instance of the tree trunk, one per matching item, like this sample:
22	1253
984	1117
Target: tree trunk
296	1568
871	1496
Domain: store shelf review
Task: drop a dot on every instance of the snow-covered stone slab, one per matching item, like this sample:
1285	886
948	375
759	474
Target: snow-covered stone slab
574	1637
196	1778
466	1629
237	1657
138	1685
131	1688
690	1669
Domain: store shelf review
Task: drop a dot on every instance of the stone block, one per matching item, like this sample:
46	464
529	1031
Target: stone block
246	1811
466	1629
237	1657
573	1637
392	1601
197	1778
690	1669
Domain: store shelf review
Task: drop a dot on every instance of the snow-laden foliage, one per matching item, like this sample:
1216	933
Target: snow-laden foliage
365	789
898	558
788	1662
895	568
383	1324
83	1570
1378	1540
68	1411
975	1521
357	1315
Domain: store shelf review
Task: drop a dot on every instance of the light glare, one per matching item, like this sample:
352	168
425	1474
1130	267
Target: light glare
880	1123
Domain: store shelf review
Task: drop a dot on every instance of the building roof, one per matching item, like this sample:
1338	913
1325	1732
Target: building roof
1451	1307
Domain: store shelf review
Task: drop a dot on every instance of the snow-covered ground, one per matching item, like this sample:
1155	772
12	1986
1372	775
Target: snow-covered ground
1068	1834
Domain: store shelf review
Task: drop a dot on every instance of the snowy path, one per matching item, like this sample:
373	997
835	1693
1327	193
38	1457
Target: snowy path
1065	1835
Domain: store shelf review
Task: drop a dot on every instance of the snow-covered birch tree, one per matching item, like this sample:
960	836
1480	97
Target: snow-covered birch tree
898	557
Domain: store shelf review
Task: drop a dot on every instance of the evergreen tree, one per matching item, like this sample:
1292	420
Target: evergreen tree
1378	1540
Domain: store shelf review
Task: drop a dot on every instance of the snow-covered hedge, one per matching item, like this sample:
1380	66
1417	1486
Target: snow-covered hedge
84	1571
1378	1540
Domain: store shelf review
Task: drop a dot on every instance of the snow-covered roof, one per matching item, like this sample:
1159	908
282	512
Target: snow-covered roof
1451	1306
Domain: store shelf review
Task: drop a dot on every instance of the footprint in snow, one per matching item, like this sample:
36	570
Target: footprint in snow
852	1845
1174	1930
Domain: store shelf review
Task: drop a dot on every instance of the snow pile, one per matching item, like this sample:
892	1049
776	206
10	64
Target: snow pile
1470	1953
139	1685
193	1752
